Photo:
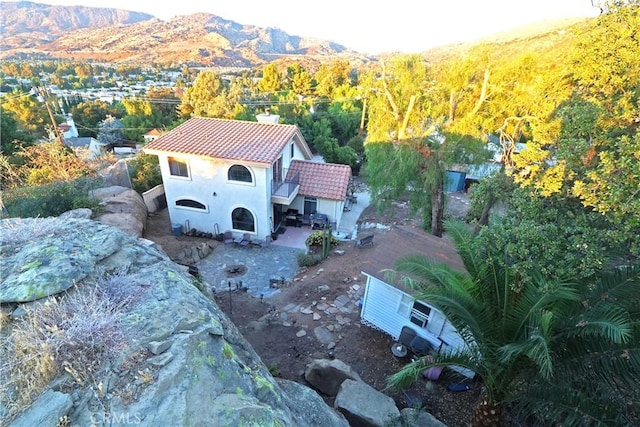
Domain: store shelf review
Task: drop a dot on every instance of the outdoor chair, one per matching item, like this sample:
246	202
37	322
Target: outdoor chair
245	240
228	237
319	221
407	334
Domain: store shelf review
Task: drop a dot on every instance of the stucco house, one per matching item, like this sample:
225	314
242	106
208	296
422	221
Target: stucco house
151	135
389	305
246	177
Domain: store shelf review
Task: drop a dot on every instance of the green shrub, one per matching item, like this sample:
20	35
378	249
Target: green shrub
144	171
51	199
315	239
307	260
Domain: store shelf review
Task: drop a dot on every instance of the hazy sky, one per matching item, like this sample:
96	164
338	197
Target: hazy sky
369	26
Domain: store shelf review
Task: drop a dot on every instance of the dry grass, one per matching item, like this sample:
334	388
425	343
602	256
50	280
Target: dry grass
19	230
73	333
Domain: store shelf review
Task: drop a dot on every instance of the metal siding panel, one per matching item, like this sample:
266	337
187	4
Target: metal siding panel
380	307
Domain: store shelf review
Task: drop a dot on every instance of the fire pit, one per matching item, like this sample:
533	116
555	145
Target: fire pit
235	270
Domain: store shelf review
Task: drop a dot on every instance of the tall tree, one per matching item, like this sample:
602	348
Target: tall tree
405	150
271	80
210	97
28	112
517	332
88	114
330	77
11	136
110	131
300	80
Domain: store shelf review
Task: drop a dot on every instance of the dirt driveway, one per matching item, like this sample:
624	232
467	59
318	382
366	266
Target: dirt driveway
317	315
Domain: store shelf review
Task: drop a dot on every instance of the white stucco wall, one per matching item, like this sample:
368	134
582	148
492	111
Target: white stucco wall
332	208
208	184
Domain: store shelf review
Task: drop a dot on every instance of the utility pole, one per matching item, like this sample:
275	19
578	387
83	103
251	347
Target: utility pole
56	130
364	109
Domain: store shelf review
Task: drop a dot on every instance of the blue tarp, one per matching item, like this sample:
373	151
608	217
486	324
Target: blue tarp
455	181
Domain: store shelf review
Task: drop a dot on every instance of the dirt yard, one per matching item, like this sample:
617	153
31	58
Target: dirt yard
287	341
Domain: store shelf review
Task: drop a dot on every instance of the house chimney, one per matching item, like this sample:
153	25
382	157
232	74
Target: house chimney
267	117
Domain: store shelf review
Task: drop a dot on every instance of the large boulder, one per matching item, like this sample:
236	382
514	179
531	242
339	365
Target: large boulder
411	417
123	208
364	406
308	407
45	411
327	375
135	340
43	257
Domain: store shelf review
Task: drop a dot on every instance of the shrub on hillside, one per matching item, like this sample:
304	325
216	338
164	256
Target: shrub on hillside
50	199
144	171
307	260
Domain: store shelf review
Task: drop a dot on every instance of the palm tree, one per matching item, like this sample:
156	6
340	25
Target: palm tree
520	334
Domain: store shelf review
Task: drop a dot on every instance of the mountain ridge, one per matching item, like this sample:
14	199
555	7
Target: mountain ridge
119	36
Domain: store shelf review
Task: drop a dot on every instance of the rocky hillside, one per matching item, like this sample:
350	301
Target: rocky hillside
100	327
102	34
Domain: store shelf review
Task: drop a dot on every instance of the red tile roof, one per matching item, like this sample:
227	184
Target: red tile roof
324	180
227	139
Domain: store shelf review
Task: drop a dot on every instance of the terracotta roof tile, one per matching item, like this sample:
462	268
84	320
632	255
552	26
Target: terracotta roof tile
325	180
226	139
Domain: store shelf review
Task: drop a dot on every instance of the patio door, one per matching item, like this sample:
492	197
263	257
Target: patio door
277	216
310	205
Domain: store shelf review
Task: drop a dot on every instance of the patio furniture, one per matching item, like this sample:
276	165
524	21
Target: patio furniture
419	346
319	221
244	241
228	237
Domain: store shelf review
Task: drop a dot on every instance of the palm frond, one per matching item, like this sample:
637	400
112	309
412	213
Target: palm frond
464	358
428	272
463	240
549	403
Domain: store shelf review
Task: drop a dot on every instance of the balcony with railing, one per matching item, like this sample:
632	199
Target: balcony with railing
284	192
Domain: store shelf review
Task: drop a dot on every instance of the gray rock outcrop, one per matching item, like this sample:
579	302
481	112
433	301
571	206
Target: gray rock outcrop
327	375
411	417
136	341
364	406
45	411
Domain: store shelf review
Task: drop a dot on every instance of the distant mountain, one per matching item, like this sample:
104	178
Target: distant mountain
33	30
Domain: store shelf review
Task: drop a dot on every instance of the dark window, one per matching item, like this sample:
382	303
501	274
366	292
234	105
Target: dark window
420	314
292	151
239	173
242	220
190	204
178	167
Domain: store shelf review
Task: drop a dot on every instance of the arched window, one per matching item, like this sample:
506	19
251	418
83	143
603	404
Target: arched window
239	173
242	220
188	203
